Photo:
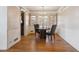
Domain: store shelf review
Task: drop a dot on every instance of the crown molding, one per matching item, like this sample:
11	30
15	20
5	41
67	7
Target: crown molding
62	9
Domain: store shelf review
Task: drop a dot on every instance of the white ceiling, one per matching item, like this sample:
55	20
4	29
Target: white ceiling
44	10
41	8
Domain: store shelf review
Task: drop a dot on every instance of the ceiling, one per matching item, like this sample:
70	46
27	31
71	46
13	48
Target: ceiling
42	8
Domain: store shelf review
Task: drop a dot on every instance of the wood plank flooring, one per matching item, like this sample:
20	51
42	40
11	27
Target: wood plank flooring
30	44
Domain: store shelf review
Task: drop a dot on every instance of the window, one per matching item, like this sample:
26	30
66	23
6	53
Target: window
46	20
40	20
33	20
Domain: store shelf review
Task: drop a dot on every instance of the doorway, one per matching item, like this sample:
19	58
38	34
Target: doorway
22	23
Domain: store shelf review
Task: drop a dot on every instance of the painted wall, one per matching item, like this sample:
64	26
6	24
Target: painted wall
68	26
13	19
3	28
10	20
26	23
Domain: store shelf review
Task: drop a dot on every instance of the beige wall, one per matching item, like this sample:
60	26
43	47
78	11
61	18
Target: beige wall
3	28
26	23
68	26
13	19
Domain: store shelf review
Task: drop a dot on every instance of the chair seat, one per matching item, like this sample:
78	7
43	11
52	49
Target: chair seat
37	30
48	33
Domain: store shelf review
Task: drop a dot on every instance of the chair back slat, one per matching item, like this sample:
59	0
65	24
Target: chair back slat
36	26
53	29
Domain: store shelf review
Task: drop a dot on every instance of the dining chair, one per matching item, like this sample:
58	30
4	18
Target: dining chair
37	32
36	26
51	32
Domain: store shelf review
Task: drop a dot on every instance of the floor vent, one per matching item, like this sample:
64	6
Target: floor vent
15	39
31	30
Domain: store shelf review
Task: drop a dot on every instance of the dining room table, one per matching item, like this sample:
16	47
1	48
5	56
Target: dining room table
43	30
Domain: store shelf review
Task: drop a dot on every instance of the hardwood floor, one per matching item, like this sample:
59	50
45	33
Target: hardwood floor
30	44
